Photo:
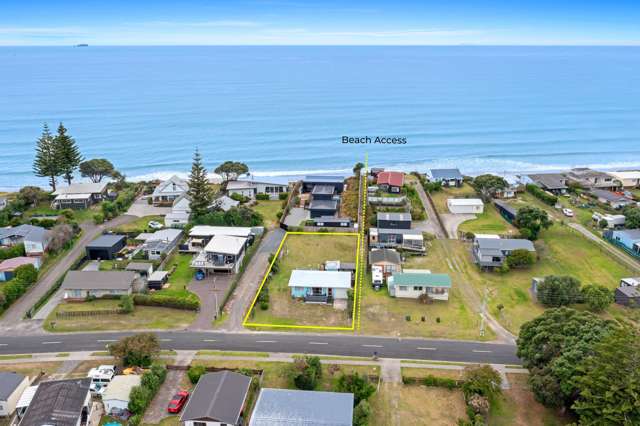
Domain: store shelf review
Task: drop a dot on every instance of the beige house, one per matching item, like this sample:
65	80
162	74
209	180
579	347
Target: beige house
11	387
78	285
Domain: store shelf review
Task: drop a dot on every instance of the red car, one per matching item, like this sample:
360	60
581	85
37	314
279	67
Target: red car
177	402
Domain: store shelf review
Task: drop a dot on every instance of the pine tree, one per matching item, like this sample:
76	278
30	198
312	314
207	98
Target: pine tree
46	163
68	153
199	190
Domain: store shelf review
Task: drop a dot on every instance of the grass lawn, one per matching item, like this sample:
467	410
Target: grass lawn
31	369
396	404
269	210
562	251
140	224
382	314
277	374
80	215
143	317
305	252
181	276
440	197
489	222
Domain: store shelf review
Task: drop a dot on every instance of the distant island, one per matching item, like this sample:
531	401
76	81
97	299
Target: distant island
82	45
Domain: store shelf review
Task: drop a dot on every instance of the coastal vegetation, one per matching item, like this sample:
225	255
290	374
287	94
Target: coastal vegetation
231	170
97	169
200	193
56	156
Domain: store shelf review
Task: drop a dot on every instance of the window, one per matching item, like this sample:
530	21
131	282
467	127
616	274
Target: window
402	288
417	288
199	424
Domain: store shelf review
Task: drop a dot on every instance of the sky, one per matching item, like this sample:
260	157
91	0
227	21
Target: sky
331	22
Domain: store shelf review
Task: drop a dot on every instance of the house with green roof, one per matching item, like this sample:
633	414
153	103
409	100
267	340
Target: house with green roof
413	282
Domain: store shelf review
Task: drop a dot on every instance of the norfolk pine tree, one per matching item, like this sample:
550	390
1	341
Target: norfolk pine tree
46	163
69	156
199	190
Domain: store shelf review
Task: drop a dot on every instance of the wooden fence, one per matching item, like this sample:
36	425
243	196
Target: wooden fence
81	314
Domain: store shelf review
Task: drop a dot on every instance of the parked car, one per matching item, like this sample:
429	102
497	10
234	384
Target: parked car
177	402
567	212
155	225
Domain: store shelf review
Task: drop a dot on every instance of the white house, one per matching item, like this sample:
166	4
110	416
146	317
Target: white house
116	396
223	253
180	212
11	387
169	190
250	189
319	286
412	283
629	179
465	205
160	242
79	195
613	220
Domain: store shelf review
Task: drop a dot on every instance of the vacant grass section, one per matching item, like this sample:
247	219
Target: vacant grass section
489	222
140	225
143	317
396	404
562	251
269	210
305	252
440	197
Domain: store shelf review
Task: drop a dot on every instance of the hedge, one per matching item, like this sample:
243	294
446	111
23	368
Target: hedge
11	252
542	195
263	197
11	291
190	303
433	381
141	396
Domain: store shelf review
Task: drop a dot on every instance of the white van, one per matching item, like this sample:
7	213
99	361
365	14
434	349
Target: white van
377	277
101	376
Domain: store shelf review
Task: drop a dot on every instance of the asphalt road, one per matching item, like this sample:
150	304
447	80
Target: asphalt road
344	345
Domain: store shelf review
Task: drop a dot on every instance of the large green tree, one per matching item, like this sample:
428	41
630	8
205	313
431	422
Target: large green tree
597	297
96	169
559	290
231	170
68	154
139	349
552	346
609	382
200	192
531	220
487	185
632	217
46	162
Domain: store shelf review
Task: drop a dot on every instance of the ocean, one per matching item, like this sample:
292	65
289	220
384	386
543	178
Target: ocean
284	110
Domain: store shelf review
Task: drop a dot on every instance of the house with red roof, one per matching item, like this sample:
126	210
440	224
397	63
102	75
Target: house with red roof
390	181
8	267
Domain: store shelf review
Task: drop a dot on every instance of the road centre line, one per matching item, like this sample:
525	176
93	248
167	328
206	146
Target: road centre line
318	343
427	349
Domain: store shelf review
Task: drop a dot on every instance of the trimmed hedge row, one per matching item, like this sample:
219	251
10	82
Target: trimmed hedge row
11	291
434	381
542	195
190	303
141	396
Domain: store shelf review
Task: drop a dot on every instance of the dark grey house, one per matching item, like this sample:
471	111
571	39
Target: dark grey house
491	253
332	221
219	398
394	220
447	177
59	403
310	181
506	210
319	208
323	192
628	296
106	247
556	183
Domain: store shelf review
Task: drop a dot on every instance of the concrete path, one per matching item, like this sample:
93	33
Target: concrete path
141	208
13	316
390	370
157	410
210	291
451	222
247	287
624	258
295	216
435	227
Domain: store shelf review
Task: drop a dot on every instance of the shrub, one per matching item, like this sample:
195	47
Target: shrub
98	218
479	404
139	399
262	197
542	195
126	304
283	196
138	350
356	384
195	372
597	297
520	258
557	291
440	382
264	305
307	371
28	274
187	302
361	414
482	380
11	252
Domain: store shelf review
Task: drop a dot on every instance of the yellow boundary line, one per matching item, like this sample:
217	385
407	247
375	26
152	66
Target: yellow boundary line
246	322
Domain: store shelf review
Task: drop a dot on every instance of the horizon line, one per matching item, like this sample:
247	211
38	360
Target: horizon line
319	45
